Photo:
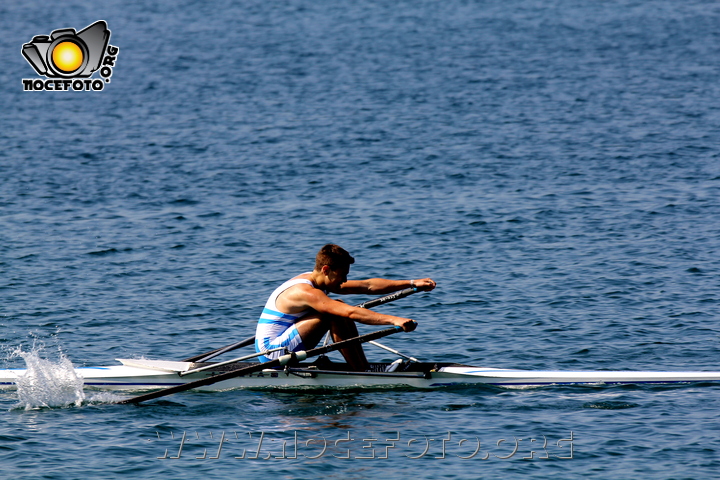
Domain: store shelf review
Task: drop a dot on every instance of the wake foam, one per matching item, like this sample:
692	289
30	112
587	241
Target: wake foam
46	382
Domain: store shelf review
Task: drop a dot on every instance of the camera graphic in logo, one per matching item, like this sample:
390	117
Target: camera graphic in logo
66	53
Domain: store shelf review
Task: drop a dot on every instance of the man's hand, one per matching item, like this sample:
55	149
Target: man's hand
406	324
425	284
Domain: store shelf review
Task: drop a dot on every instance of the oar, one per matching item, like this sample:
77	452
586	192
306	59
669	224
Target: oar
204	357
283	360
391	350
388	298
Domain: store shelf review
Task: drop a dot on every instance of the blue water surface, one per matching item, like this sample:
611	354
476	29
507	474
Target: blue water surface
553	165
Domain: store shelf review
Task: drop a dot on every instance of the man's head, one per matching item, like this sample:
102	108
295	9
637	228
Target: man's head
334	257
334	261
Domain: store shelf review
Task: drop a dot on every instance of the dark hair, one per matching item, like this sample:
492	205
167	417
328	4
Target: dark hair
333	256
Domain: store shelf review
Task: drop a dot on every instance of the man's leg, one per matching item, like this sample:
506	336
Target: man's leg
313	327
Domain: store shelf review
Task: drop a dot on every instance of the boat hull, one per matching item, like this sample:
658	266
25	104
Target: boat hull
146	375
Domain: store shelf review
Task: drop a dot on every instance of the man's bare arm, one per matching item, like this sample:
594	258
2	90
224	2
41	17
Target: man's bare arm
323	304
383	286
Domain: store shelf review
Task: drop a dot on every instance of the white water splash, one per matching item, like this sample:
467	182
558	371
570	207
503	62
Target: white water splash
48	383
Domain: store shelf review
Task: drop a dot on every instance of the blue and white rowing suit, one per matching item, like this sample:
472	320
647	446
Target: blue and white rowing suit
276	329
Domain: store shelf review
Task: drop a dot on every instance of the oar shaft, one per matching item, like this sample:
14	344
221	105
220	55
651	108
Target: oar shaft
385	347
262	366
204	357
388	298
380	301
227	362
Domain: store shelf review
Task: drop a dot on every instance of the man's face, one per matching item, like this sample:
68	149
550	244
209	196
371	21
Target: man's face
337	277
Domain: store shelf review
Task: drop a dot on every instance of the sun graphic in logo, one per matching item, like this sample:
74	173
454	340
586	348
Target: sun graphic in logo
67	56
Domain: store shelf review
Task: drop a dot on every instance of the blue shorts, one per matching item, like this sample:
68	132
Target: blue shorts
290	339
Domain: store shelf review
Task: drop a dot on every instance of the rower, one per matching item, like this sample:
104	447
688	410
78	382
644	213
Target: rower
299	312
